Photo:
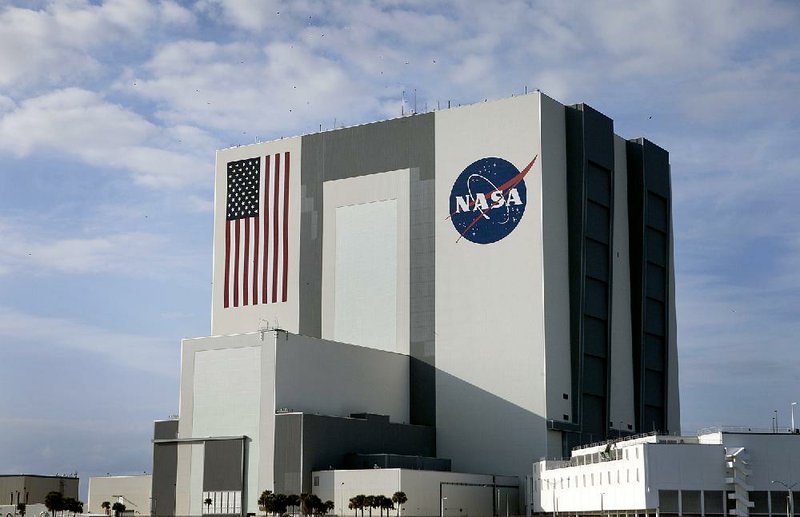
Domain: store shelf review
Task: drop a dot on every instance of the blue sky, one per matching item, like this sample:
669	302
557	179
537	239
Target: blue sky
110	114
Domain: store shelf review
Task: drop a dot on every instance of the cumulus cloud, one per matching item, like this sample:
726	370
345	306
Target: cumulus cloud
26	250
64	41
247	90
82	124
154	355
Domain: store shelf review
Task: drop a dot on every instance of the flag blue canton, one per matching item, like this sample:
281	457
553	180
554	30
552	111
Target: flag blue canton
243	180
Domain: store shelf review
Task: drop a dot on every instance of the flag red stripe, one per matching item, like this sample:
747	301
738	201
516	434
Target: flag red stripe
227	262
246	263
255	260
285	224
265	220
275	229
236	266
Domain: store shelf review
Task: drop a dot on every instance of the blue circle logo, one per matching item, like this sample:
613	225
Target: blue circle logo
488	200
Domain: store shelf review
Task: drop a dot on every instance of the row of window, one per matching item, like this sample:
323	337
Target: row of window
587	480
599	457
222	502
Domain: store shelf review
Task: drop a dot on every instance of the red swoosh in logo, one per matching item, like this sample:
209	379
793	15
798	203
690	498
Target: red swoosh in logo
504	188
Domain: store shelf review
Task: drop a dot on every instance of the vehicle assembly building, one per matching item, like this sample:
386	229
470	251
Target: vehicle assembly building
453	294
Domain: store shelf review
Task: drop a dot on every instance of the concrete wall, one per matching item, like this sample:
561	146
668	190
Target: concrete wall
365	266
555	243
307	442
621	411
490	413
232	386
771	457
132	491
227	389
326	377
467	494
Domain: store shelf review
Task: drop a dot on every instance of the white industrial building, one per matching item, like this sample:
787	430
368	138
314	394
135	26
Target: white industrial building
734	472
132	491
448	296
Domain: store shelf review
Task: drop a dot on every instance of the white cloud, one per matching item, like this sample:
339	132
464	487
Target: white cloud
82	124
154	355
27	251
248	90
60	42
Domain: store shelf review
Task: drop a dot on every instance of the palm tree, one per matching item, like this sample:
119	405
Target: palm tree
399	498
54	501
73	505
279	504
106	506
208	502
265	501
21	509
310	503
386	504
369	501
293	500
378	501
304	504
326	507
359	502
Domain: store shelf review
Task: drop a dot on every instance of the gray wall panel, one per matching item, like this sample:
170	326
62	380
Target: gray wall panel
405	143
222	465
288	453
323	442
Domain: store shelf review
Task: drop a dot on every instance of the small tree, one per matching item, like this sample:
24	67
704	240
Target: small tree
21	509
386	504
208	502
293	500
72	505
361	503
399	498
326	507
265	501
54	501
311	504
106	506
279	504
369	502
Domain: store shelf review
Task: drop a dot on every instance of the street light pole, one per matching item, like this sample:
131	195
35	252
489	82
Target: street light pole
341	499
790	500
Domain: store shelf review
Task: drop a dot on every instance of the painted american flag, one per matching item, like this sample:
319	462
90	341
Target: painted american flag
257	231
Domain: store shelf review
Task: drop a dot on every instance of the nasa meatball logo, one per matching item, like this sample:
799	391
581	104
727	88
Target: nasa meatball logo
488	200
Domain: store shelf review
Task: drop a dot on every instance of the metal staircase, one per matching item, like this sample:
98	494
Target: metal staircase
736	463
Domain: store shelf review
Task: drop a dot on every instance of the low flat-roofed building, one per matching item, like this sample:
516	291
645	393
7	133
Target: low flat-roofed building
429	492
132	491
731	472
33	488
